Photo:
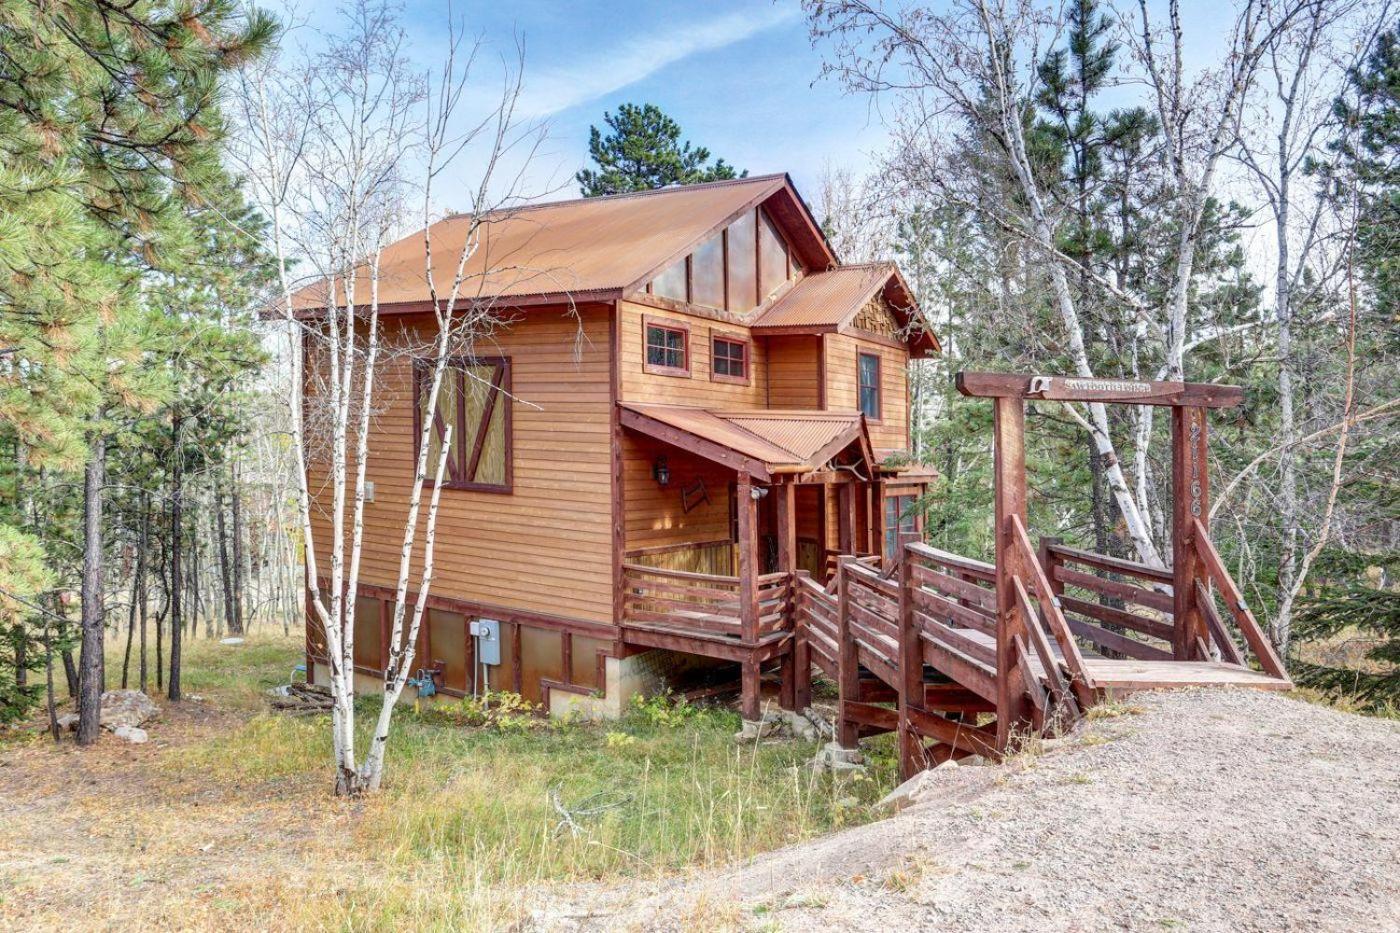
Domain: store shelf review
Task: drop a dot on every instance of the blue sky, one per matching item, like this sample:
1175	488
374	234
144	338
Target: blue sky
740	76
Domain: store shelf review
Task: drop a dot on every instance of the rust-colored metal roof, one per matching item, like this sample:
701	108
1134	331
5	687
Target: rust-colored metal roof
826	299
787	441
827	302
589	248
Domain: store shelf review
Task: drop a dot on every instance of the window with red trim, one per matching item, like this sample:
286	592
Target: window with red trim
474	401
729	360
868	368
667	348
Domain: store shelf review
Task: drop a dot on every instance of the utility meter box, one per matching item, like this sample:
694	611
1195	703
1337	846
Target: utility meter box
487	633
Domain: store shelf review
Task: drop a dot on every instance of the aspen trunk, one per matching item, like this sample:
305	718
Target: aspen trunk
236	511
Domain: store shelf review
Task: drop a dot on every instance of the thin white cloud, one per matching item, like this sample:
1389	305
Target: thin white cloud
552	90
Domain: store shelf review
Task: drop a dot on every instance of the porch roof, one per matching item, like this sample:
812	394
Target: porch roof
761	442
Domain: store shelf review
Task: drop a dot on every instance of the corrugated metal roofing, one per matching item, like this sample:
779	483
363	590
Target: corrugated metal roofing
576	247
782	440
826	299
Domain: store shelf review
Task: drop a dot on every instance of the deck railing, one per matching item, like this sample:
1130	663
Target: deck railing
687	602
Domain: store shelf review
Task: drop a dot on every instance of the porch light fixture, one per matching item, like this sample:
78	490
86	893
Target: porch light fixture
661	472
758	492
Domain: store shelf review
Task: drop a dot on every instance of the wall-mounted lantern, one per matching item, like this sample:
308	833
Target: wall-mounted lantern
661	472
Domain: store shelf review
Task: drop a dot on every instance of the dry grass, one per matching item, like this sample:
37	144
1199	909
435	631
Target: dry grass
226	815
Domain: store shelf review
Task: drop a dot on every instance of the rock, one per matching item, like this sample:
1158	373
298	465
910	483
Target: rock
231	640
833	757
751	731
910	792
68	722
132	734
948	765
126	708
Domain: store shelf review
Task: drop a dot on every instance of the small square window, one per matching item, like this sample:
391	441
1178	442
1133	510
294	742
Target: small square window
730	360
667	350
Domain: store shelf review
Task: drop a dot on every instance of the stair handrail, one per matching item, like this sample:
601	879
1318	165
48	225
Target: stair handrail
1059	626
1244	619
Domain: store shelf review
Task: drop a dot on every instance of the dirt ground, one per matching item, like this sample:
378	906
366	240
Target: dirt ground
1196	810
111	838
1199	811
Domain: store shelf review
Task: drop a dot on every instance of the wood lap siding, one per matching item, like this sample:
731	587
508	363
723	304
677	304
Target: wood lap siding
655	513
793	372
892	432
546	545
698	389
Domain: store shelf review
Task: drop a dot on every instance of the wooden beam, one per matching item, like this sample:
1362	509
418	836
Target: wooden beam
1009	472
786	503
746	509
1088	389
846	519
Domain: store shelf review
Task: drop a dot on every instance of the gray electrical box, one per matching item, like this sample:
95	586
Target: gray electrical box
487	633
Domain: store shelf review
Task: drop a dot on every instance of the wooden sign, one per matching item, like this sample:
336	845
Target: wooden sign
1092	389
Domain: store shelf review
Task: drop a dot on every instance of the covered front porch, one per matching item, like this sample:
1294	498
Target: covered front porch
723	509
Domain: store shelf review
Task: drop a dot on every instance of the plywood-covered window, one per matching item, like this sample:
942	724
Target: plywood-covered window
729	359
666	347
868	368
772	256
447	642
475	401
369	634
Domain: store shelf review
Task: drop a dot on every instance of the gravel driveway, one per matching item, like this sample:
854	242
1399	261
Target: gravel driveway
1195	810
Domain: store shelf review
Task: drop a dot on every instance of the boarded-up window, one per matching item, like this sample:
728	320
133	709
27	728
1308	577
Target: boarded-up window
671	282
475	401
369	634
707	273
743	264
447	642
868	365
541	658
501	677
772	256
583	662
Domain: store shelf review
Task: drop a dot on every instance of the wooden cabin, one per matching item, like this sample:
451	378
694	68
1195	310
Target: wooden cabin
688	398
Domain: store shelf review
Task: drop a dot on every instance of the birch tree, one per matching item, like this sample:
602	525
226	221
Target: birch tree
331	149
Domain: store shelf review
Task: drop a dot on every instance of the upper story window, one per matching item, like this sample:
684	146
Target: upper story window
735	270
729	359
868	369
667	347
475	401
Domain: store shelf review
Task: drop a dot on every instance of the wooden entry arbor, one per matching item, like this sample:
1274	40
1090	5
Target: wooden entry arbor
1197	634
1046	631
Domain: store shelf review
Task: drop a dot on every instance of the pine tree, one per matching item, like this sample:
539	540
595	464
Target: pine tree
644	151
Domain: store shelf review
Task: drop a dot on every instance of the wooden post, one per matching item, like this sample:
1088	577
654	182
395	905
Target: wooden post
786	511
847	660
911	675
787	526
1190	502
876	515
1013	706
746	509
1049	560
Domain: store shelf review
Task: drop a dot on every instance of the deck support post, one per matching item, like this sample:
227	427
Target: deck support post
847	659
746	511
796	679
1190	503
1013	706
